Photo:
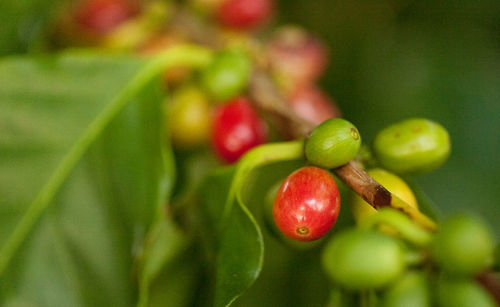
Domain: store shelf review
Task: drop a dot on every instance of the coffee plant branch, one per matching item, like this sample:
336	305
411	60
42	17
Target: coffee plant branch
269	101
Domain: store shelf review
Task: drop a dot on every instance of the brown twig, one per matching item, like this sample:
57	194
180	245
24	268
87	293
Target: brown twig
489	282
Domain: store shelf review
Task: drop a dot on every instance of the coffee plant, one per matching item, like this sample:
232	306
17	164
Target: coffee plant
163	153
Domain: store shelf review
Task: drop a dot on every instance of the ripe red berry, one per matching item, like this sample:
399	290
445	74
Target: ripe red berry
244	14
314	105
101	16
307	204
237	128
296	56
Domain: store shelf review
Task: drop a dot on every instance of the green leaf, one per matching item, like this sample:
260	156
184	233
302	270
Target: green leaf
177	284
239	247
82	171
164	243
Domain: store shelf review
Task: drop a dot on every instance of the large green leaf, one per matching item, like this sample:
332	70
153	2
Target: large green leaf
82	173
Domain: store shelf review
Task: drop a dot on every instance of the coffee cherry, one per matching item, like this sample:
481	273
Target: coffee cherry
188	117
413	145
333	143
307	204
274	230
296	57
363	259
244	14
227	75
463	245
361	209
237	128
463	293
101	16
410	290
313	105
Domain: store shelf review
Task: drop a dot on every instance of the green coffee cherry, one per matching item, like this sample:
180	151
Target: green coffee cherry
463	293
413	145
362	259
463	245
333	143
227	75
412	290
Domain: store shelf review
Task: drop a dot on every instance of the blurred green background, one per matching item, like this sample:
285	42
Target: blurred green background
392	60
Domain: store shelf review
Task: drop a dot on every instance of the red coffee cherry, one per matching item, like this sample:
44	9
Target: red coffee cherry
237	128
296	57
307	204
244	14
314	105
101	16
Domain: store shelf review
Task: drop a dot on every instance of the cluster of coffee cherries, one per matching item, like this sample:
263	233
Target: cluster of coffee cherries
386	255
211	108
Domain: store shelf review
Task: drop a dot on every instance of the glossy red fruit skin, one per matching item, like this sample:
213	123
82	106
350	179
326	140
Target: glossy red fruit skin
101	16
236	129
312	104
307	204
244	14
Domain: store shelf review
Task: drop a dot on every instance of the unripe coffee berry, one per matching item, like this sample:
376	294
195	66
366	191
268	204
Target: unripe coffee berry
236	129
101	16
463	293
463	245
410	290
361	209
244	14
333	143
227	75
360	259
413	145
307	204
188	117
313	105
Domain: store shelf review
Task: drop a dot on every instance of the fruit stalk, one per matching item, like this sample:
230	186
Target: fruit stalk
489	282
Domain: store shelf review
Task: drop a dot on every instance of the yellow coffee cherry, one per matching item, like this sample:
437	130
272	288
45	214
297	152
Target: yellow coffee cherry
188	117
361	209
